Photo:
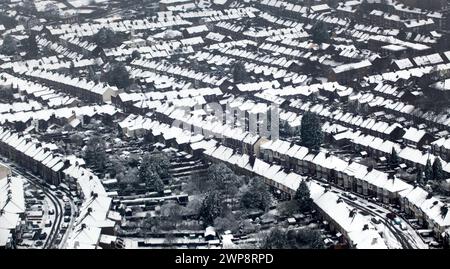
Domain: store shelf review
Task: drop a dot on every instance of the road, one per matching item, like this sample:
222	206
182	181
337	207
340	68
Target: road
74	210
57	203
407	239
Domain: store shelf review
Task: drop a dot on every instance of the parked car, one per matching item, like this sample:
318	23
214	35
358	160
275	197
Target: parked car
403	226
376	220
349	196
391	216
397	221
42	236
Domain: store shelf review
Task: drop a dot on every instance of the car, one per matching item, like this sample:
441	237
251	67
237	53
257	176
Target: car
397	221
376	220
391	216
403	227
42	236
349	196
434	244
51	211
59	238
38	243
66	219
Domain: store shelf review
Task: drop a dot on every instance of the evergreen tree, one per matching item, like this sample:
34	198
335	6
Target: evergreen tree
438	174
9	46
311	131
106	38
7	21
393	159
135	55
239	73
444	211
32	46
428	171
276	239
118	76
303	198
72	68
223	179
211	207
257	196
95	153
160	163
365	7
419	176
149	175
319	33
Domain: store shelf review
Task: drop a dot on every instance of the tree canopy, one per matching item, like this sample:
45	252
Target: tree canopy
257	196
118	76
9	46
211	207
393	159
106	38
303	198
7	21
223	179
438	174
428	171
95	153
311	131
239	73
319	33
31	47
293	239
153	168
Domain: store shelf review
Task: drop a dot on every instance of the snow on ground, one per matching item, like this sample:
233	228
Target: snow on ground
392	242
410	233
389	238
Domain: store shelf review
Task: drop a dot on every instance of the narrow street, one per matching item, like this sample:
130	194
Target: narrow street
407	239
56	203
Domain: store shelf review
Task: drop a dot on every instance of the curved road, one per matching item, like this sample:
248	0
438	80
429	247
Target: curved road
406	244
36	181
407	240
